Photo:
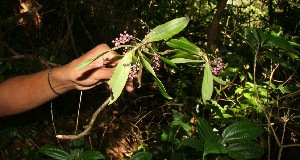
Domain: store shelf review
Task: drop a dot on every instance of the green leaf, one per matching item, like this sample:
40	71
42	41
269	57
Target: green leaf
184	54
252	38
54	152
249	150
158	82
77	142
141	156
279	42
236	155
185	45
166	30
203	128
91	155
183	60
212	145
207	83
120	76
196	143
169	62
241	131
218	80
279	60
84	64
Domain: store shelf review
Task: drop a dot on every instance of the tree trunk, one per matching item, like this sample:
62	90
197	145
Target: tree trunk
213	30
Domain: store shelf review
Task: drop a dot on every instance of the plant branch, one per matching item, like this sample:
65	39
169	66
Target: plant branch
87	127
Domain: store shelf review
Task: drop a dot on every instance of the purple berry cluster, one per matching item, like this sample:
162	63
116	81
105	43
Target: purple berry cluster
156	62
134	69
124	38
218	66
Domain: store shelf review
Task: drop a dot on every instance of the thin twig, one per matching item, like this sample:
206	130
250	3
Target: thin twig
53	124
78	111
89	126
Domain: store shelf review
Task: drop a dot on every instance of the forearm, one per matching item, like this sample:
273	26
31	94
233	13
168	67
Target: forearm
23	93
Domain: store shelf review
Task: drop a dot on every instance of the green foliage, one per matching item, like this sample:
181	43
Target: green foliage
259	81
75	154
141	156
237	140
207	83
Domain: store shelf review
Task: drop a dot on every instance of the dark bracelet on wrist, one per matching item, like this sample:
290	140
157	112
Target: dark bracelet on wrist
50	83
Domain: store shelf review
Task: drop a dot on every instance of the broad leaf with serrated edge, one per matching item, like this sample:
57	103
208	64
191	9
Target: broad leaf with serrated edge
249	150
241	131
120	76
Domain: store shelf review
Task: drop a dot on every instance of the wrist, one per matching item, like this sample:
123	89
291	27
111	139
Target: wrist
58	81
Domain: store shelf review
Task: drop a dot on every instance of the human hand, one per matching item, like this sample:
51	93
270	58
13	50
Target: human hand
96	73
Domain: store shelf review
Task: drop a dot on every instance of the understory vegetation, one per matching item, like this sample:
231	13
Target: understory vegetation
220	79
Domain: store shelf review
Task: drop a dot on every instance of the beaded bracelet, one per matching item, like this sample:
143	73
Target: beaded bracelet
50	83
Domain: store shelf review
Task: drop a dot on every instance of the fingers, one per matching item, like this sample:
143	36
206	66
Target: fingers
129	86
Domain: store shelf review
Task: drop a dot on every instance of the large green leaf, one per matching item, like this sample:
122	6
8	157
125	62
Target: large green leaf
91	155
241	131
120	76
166	30
196	143
207	83
141	156
203	128
249	150
54	152
185	45
158	82
211	145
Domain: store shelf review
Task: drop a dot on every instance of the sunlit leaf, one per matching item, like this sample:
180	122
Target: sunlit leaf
166	30
183	60
84	64
241	131
207	83
185	45
218	80
158	82
120	76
